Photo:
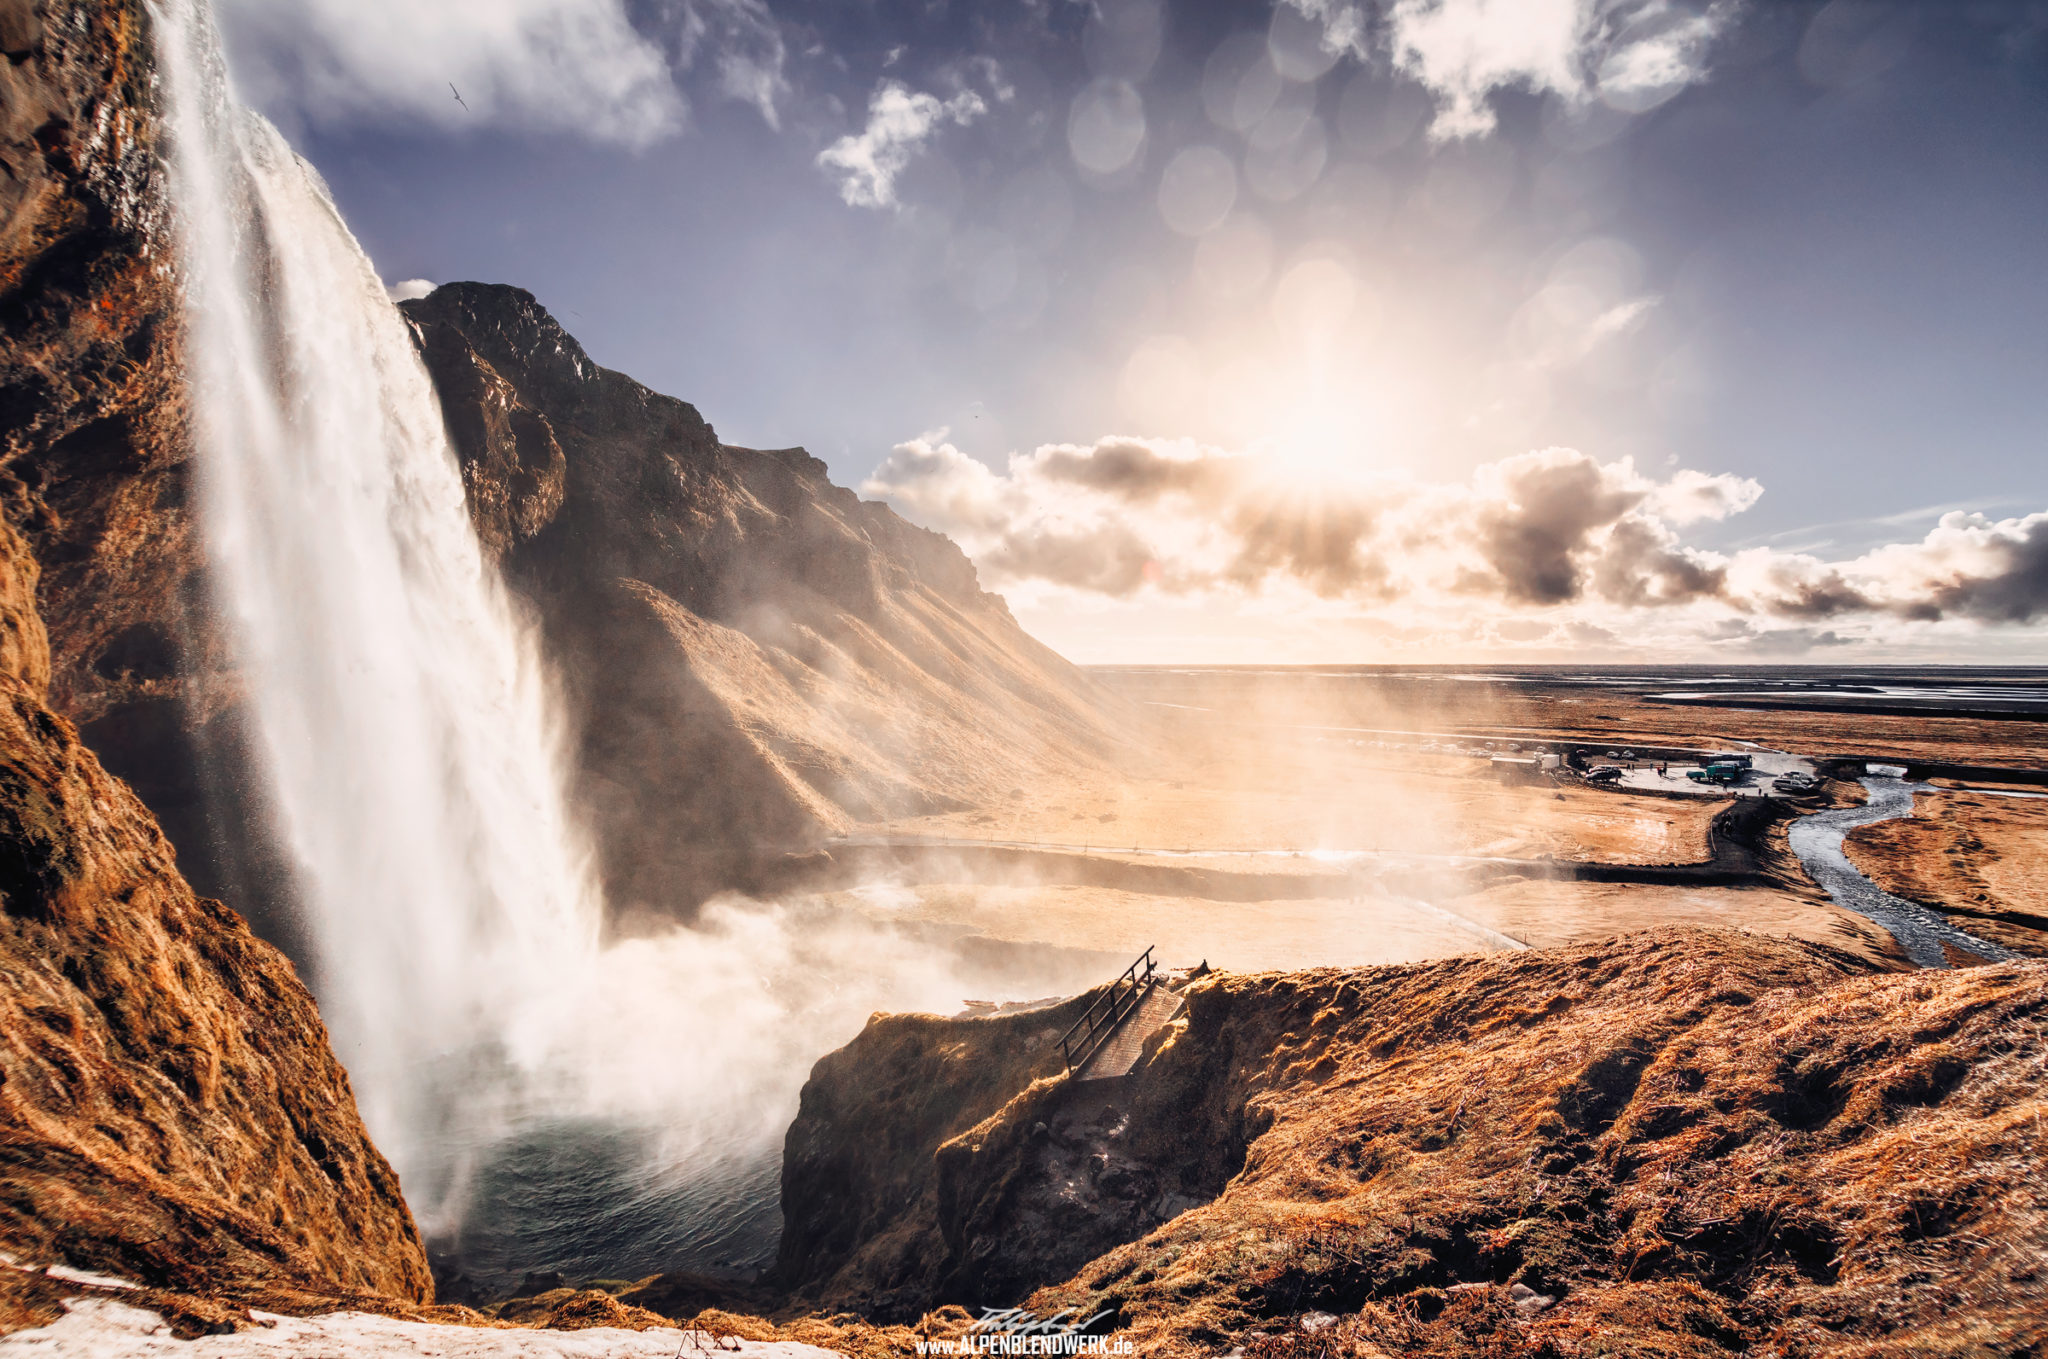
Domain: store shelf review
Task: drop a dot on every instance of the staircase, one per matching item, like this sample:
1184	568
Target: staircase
1105	1042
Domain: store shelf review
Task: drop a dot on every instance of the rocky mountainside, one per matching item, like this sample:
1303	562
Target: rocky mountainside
1687	1143
95	458
755	657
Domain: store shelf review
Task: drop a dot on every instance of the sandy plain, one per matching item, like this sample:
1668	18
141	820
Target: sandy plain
1301	793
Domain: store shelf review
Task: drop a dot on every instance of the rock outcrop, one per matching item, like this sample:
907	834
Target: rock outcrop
730	609
1684	1143
170	1110
861	1212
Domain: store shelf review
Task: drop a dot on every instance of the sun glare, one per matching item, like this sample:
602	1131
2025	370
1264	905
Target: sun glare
1320	441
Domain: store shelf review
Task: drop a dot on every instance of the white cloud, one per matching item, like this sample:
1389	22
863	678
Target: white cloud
1633	53
571	66
1552	535
408	289
1123	515
899	121
1690	497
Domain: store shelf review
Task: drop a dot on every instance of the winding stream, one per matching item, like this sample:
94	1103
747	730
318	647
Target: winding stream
1817	840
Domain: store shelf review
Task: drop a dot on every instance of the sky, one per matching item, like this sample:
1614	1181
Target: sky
1288	330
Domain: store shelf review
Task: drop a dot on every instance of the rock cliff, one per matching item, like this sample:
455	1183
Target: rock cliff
95	460
170	1110
1685	1143
728	609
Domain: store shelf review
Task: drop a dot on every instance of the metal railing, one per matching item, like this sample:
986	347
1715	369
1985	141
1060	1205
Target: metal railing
1094	1027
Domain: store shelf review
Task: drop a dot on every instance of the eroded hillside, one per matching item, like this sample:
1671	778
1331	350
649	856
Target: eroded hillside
1688	1142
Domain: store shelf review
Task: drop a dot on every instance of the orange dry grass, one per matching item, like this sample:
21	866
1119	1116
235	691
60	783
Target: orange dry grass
1699	1143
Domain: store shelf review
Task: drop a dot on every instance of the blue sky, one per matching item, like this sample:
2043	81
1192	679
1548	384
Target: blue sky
1348	265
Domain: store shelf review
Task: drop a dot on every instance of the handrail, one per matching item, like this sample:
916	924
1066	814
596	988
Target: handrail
1101	1017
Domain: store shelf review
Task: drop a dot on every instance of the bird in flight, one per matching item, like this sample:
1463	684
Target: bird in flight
458	96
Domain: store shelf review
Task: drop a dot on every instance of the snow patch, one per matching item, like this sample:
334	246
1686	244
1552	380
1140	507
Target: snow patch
104	1329
86	1276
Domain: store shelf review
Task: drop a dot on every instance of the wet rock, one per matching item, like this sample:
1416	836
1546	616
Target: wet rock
21	28
537	1283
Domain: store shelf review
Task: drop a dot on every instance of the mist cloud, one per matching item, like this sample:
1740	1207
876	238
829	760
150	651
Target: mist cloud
1634	54
1532	534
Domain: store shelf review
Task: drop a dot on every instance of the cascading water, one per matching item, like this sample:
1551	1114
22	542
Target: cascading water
613	1107
400	709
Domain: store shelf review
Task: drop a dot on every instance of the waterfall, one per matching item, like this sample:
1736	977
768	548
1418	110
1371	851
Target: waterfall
600	1107
400	709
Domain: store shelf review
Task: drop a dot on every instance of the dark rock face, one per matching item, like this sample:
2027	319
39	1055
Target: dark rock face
169	1106
861	1210
93	457
755	657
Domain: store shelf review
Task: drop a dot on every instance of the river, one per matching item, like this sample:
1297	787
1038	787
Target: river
1817	840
